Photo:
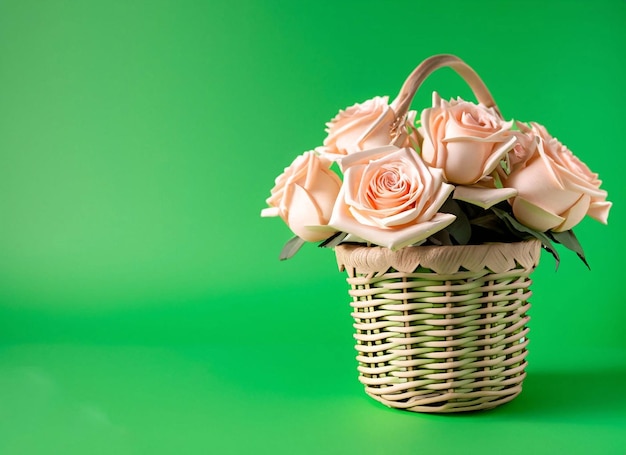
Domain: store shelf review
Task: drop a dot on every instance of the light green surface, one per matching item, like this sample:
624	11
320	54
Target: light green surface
142	306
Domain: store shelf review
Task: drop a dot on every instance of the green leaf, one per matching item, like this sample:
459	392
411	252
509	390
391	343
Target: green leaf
520	230
441	238
292	246
488	221
569	241
460	228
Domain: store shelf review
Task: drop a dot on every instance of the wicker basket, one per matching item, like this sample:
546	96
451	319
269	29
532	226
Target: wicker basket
441	328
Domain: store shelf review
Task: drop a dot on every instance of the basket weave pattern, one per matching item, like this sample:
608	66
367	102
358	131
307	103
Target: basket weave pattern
429	341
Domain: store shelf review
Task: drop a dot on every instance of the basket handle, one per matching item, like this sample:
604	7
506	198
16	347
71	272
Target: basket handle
403	101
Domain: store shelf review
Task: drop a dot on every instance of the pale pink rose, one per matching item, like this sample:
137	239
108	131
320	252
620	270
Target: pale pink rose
484	194
466	140
555	189
304	196
364	126
524	149
390	198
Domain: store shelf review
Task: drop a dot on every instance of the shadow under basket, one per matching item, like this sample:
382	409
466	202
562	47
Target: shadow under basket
441	328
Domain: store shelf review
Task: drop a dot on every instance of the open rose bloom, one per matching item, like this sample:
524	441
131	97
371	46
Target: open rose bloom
555	190
456	173
391	198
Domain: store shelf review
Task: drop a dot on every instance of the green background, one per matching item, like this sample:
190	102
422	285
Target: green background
142	305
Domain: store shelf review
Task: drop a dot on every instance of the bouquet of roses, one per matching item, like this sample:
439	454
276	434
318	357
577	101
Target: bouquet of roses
460	174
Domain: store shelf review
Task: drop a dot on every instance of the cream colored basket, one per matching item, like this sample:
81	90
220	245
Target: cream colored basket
441	328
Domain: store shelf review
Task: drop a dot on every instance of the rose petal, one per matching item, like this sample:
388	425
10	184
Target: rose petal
575	214
498	155
428	145
325	186
270	211
362	217
390	238
599	211
481	196
579	184
361	126
445	190
322	228
304	212
365	156
533	216
400	218
354	239
379	132
538	184
464	161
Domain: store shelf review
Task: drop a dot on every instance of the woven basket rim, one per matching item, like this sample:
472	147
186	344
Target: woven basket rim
445	259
